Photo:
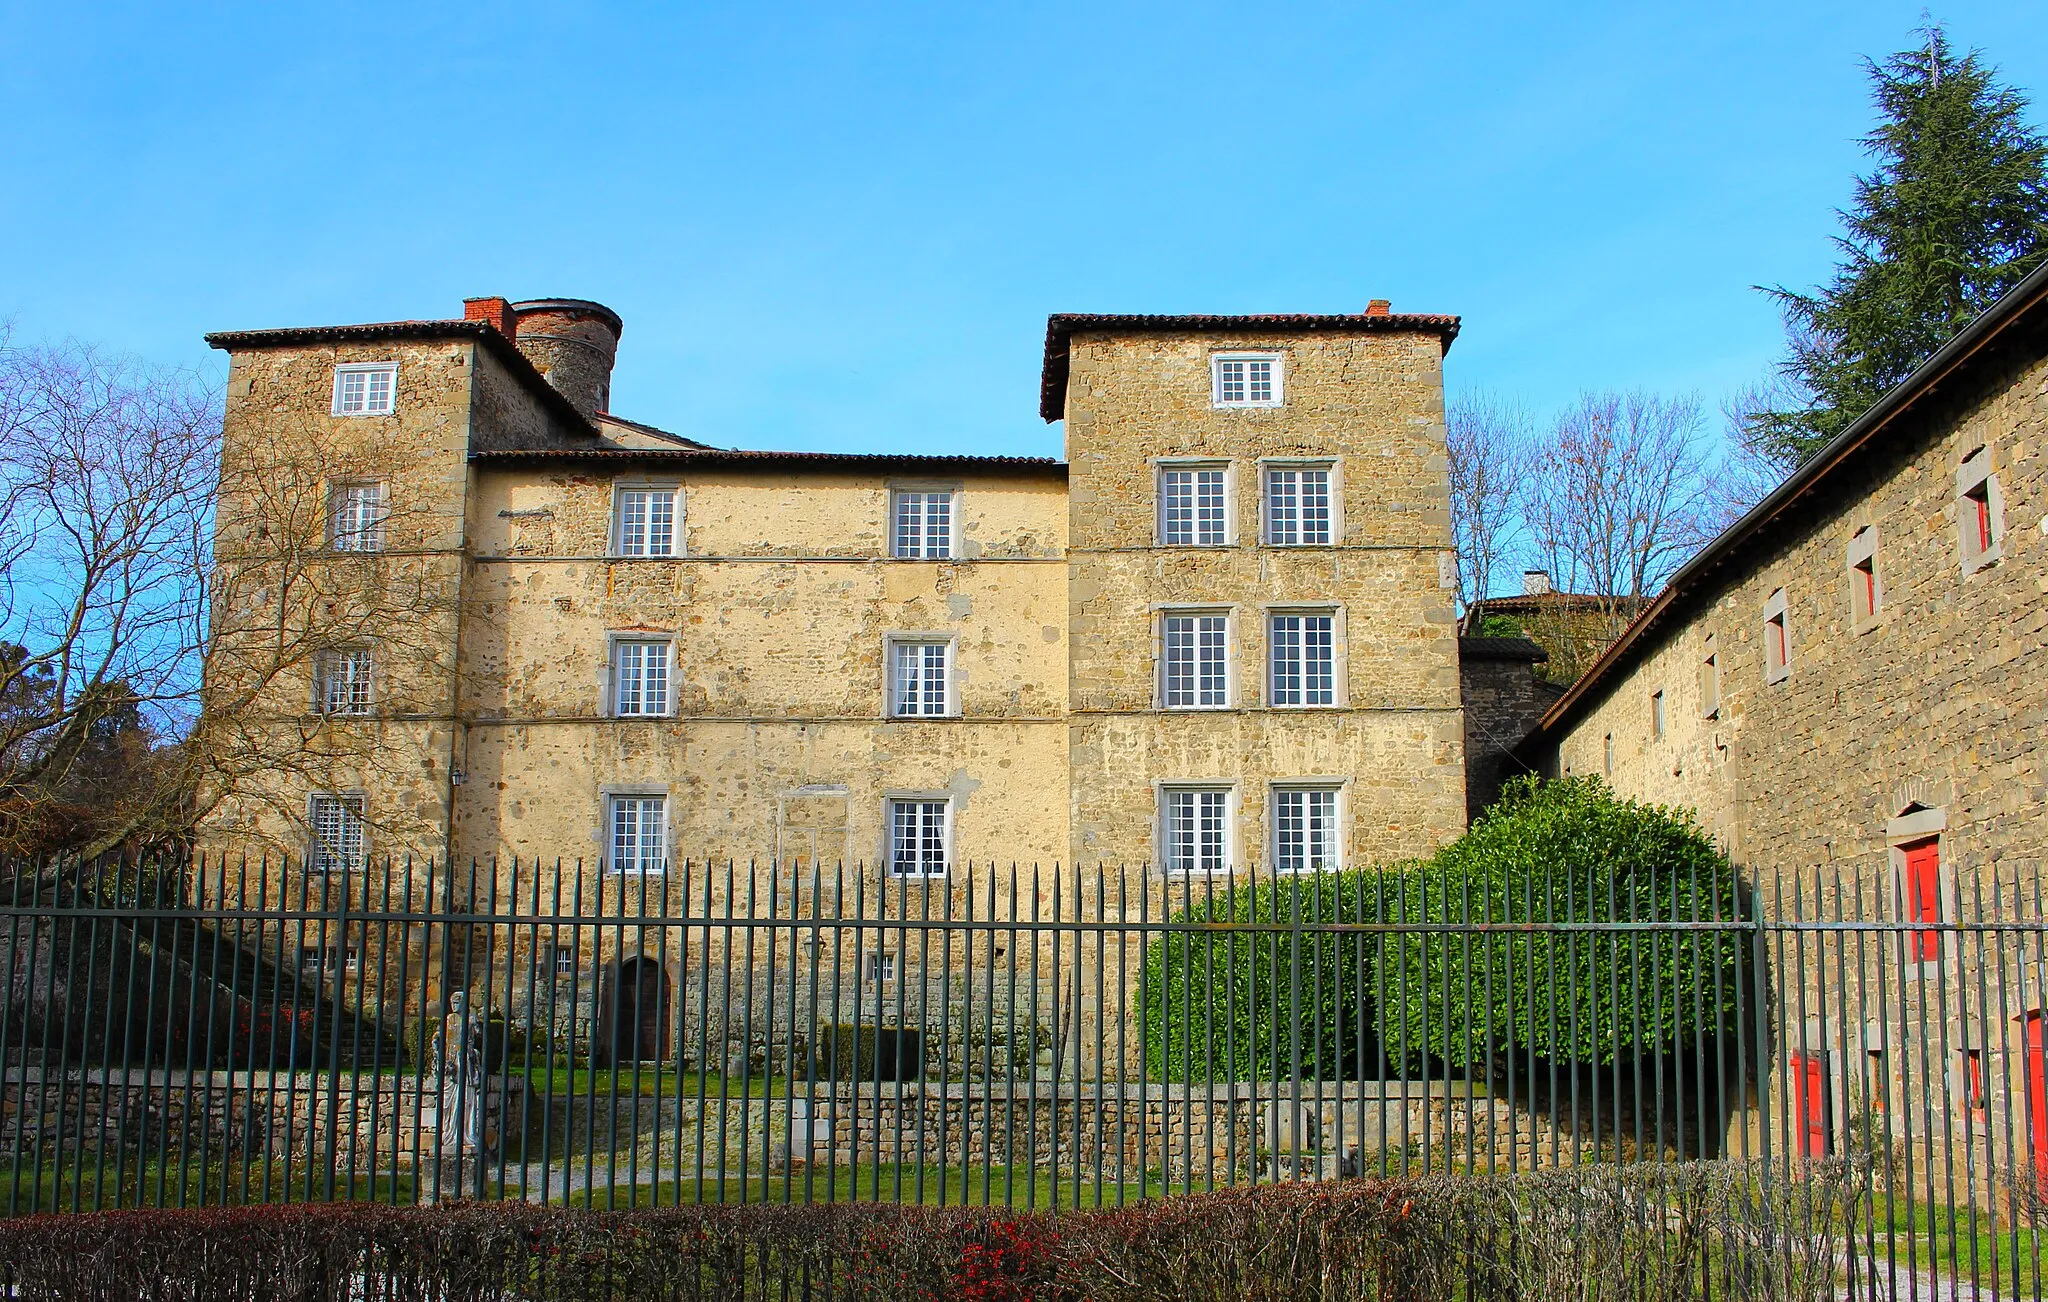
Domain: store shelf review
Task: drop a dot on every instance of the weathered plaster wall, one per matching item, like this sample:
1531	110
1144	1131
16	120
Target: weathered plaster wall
779	615
1374	404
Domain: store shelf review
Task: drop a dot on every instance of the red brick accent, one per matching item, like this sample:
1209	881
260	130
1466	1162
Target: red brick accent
497	311
1379	307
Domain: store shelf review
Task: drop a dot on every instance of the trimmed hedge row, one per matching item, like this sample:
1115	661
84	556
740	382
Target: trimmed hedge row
1273	1004
1592	1233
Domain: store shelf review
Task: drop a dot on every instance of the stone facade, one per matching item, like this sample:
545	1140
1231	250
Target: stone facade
495	596
490	609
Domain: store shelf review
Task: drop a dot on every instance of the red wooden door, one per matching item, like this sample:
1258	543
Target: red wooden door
2036	1069
1923	896
1809	1104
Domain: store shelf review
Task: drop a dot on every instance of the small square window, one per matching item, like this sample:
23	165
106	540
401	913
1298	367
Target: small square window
342	681
880	968
1305	830
1298	506
1980	512
640	677
645	522
1777	639
1657	714
1301	649
1194	664
355	518
1195	829
365	388
920	837
922	528
563	960
639	834
1245	380
1194	506
337	826
921	679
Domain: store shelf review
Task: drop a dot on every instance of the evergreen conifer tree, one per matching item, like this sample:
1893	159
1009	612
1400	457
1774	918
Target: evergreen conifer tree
1954	215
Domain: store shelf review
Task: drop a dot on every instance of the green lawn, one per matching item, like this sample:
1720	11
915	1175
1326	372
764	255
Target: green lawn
888	1183
189	1185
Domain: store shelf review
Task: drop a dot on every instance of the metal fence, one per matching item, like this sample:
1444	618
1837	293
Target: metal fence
188	1033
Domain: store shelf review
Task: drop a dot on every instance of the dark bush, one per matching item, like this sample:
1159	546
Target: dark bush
1250	1004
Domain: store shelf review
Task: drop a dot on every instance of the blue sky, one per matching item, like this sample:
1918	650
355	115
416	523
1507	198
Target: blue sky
842	227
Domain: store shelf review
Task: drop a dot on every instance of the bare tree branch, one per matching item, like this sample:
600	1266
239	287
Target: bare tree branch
1489	440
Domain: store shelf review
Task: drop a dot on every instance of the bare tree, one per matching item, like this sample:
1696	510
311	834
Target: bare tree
107	480
1488	439
1627	492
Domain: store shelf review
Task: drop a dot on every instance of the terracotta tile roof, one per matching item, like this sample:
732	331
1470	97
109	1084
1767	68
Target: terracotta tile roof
482	332
1530	603
1060	327
915	462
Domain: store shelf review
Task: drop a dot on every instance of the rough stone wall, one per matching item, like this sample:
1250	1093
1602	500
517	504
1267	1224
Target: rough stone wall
1500	686
1937	704
1372	403
285	597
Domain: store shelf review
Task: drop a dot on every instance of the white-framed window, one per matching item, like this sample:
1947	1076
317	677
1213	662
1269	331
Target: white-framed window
640	677
365	388
880	968
341	681
920	836
1194	505
336	822
639	834
1298	506
921	524
920	678
1245	380
1194	828
1301	654
1980	512
355	517
644	520
564	960
1305	829
1194	660
1777	638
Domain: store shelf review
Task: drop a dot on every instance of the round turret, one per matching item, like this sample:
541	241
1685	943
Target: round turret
571	341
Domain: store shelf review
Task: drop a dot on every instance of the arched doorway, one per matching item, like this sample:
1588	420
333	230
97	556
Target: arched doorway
633	1015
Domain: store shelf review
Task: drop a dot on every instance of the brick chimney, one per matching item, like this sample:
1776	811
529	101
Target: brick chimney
1379	307
1535	582
497	311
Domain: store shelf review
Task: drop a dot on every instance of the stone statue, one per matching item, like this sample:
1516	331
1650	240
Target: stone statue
459	1067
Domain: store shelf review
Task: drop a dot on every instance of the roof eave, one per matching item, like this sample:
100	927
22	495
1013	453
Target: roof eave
504	350
1061	326
1966	343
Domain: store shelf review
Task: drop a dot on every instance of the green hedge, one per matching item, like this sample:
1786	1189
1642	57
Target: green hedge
1569	851
1226	1005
